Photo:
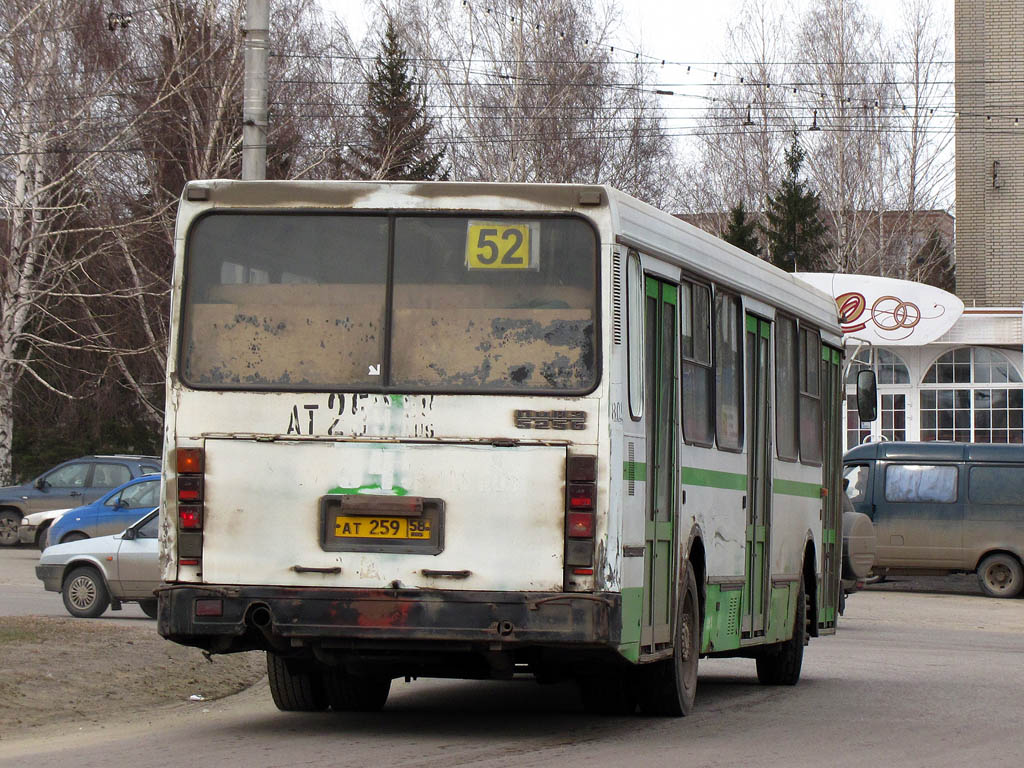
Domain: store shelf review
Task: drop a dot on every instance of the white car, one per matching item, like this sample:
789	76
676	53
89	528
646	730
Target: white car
34	527
105	571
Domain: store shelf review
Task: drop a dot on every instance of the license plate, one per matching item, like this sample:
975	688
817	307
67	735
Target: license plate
404	525
365	527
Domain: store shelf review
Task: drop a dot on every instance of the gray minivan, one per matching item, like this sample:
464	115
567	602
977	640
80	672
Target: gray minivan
942	508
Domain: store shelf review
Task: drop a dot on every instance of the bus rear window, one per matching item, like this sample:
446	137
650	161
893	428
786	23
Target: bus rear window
303	302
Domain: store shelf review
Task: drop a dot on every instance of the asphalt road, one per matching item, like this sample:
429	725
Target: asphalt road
912	679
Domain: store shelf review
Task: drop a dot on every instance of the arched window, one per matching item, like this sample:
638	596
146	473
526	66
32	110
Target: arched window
959	401
889	370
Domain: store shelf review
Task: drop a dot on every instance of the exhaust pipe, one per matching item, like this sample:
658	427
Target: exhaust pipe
259	619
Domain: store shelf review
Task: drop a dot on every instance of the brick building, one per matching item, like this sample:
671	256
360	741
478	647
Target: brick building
990	152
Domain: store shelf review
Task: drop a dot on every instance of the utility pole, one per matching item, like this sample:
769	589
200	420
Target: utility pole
254	97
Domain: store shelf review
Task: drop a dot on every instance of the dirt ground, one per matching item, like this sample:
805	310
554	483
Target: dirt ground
78	672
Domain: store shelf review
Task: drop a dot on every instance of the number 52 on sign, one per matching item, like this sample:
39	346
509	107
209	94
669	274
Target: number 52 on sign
500	245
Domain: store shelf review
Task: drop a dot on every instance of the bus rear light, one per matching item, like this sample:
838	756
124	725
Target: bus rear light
583	571
581	469
189	461
190	488
580	525
190	517
188	561
581	495
209	606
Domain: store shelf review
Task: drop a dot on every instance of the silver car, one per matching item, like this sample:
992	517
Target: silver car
94	574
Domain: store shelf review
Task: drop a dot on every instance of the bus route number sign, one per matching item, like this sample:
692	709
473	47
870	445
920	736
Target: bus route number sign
499	245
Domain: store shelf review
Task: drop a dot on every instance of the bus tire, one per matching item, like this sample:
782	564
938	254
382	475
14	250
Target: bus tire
1001	575
296	686
668	688
779	664
348	693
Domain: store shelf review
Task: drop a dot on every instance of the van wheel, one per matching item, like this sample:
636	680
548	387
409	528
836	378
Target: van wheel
669	687
1001	575
296	685
779	664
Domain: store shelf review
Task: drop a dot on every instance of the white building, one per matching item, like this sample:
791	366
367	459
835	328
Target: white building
945	372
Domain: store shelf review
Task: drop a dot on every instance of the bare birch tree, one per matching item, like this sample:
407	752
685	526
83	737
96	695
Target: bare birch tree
525	90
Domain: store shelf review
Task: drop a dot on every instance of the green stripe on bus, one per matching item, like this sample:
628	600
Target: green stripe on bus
714	479
766	330
826	354
668	294
796	488
751	323
634	470
835	356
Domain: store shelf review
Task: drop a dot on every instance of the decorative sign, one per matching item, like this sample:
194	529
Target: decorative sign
884	310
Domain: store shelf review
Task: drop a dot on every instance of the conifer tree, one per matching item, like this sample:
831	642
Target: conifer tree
742	232
794	233
395	124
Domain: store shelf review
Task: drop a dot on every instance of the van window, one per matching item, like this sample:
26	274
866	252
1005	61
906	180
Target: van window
996	485
857	485
920	483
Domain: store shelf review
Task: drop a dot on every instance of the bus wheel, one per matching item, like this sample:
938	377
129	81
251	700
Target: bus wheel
669	687
779	664
295	685
348	693
1001	575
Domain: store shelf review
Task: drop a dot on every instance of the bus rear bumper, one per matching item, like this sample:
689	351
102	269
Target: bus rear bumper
282	618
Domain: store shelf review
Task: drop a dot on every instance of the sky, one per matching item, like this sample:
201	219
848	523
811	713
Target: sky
681	30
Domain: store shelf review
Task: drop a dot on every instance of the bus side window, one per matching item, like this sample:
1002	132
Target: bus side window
787	373
635	293
811	423
695	350
728	372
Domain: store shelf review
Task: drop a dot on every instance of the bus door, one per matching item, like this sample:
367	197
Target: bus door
832	529
660	417
758	499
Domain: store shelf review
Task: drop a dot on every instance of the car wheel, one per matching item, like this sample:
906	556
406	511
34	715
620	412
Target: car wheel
295	684
85	595
73	536
149	607
780	664
1001	575
41	535
10	521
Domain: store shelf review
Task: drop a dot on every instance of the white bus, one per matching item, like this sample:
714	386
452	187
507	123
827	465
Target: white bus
479	430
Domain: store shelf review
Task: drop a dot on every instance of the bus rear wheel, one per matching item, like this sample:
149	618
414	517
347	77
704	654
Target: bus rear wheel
779	664
296	685
669	687
348	693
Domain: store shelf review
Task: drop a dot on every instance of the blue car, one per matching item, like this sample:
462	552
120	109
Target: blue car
111	513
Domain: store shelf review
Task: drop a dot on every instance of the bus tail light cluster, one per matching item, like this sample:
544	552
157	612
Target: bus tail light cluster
190	468
580	503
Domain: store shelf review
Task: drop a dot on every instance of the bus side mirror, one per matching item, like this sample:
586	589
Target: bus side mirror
867	396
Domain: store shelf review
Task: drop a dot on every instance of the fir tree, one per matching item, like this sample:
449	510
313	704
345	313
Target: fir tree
742	232
395	124
794	233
